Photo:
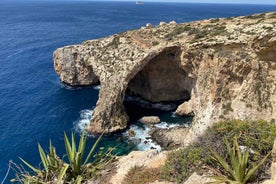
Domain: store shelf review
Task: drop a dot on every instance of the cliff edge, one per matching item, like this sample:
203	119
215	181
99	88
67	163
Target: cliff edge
220	68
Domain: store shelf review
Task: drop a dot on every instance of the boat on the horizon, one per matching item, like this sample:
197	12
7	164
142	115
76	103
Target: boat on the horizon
139	2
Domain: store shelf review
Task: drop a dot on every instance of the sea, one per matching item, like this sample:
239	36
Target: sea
36	107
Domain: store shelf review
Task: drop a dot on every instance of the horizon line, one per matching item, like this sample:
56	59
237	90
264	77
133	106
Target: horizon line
148	1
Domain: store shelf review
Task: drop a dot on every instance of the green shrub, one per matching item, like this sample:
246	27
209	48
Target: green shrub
53	167
219	30
214	20
257	135
194	31
181	163
200	35
178	30
259	16
235	167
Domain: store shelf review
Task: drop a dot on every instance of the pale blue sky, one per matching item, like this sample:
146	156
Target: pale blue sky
213	1
187	1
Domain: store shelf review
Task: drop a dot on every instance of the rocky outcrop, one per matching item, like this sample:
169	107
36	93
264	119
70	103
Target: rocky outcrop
150	158
198	179
169	138
185	109
223	68
72	66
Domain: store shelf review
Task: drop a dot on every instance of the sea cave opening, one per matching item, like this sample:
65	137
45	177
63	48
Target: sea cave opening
159	87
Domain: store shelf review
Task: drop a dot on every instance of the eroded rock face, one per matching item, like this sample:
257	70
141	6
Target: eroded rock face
72	66
226	69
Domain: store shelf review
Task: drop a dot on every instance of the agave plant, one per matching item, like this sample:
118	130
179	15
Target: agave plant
76	156
239	170
79	163
53	166
78	168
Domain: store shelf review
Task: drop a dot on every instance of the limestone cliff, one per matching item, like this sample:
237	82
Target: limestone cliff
221	68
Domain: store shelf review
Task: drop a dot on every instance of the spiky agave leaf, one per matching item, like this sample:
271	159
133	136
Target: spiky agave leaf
215	156
239	173
82	144
93	148
53	159
75	156
43	158
30	166
251	172
68	148
73	145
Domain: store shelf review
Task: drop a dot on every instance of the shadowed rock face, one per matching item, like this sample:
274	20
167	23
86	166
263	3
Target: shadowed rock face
224	69
162	79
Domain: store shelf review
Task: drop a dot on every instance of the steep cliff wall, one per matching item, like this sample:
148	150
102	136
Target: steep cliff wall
224	68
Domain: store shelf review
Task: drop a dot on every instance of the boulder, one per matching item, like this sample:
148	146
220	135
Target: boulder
170	137
198	179
150	120
162	23
172	22
185	109
150	159
131	133
148	25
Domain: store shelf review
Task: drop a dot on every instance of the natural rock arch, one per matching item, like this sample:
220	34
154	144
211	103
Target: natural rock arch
158	77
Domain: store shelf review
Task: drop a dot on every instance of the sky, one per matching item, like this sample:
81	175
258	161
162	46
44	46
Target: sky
187	1
216	1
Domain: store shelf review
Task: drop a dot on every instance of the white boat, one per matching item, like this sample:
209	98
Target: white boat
139	2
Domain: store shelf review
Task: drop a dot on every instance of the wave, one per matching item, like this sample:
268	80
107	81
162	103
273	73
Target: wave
166	125
98	87
81	124
141	138
15	53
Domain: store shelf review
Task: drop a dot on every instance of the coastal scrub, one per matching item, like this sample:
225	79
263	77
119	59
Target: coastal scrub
256	135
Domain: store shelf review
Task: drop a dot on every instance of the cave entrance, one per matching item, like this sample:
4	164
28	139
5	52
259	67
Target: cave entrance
161	80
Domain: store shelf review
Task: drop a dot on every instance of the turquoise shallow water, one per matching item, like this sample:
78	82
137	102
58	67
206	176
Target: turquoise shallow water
34	105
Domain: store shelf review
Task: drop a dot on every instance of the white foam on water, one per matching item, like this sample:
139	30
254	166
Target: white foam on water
173	115
15	53
142	138
98	87
81	124
166	125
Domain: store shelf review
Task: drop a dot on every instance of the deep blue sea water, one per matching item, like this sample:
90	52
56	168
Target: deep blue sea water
34	105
